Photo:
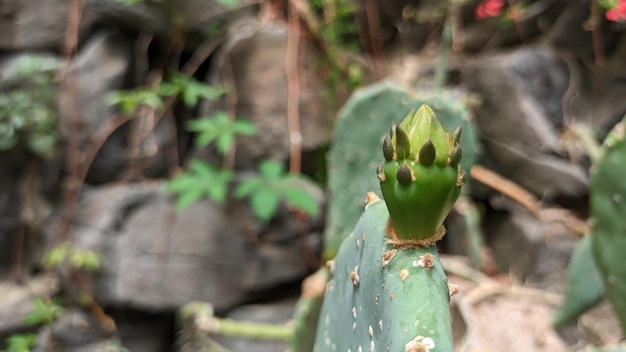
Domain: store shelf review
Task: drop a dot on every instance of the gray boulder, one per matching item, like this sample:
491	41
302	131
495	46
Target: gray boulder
158	260
520	116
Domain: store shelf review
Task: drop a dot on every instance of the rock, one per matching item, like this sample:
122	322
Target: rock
35	24
157	260
252	61
16	301
103	65
274	313
519	117
569	32
535	252
12	166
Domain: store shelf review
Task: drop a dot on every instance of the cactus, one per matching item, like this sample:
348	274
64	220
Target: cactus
388	290
608	211
354	155
584	287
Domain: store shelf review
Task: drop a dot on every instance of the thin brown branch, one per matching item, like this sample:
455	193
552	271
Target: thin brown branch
373	25
231	100
70	118
293	98
528	200
302	9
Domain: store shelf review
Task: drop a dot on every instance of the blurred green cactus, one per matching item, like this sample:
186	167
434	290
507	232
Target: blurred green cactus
608	211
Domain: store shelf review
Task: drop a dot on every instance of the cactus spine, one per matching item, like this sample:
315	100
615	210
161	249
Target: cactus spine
388	291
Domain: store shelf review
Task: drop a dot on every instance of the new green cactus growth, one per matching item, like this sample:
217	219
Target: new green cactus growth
388	291
420	178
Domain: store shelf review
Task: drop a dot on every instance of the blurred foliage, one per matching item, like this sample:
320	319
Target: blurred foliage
80	259
28	115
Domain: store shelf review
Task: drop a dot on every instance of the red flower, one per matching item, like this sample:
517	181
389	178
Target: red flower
618	13
490	8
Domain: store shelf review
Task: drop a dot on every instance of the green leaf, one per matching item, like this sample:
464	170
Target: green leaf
43	312
264	203
247	187
244	127
230	3
86	260
584	288
55	256
225	142
301	199
21	342
187	199
271	169
201	180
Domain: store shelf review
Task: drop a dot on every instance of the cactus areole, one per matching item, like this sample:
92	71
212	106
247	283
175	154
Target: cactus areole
420	178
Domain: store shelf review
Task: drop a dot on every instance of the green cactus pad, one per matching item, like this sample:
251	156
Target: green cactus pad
584	287
608	213
382	298
356	147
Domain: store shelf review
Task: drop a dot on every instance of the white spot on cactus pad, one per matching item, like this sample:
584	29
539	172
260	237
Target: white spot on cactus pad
387	256
354	276
354	312
372	346
419	344
426	261
380	324
370	331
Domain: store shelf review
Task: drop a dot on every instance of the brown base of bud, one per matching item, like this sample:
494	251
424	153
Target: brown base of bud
412	243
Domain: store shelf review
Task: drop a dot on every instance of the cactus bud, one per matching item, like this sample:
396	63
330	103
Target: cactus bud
455	156
405	175
430	186
403	144
388	148
427	153
456	135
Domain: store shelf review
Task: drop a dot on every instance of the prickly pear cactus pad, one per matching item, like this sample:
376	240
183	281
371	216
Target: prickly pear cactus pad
388	291
383	298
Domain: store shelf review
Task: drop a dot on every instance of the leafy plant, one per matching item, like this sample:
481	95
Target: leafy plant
130	101
21	342
28	114
272	186
44	312
219	129
189	89
201	180
80	259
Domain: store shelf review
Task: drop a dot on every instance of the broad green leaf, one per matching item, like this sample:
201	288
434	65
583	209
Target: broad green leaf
187	198
43	312
244	127
271	169
247	187
584	287
21	342
300	199
265	203
225	142
229	3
